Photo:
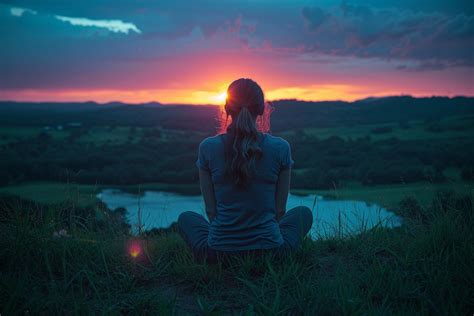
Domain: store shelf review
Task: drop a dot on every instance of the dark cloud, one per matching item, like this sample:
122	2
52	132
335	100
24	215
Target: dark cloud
357	30
38	50
315	17
423	66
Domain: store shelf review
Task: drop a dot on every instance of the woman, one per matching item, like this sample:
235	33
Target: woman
245	178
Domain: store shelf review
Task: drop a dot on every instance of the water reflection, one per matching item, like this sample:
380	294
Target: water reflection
331	217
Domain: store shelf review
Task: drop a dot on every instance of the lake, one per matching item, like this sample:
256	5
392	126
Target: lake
331	217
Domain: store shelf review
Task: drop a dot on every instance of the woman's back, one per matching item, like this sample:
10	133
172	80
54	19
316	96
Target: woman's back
245	217
244	176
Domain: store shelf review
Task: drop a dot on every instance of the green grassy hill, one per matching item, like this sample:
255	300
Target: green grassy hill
423	267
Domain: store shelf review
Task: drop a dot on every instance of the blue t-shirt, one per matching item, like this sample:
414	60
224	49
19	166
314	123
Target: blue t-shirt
245	218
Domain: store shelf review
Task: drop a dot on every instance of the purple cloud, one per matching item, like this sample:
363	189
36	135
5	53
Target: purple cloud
155	43
357	30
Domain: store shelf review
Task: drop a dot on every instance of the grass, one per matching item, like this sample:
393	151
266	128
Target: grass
453	127
390	195
47	192
102	135
97	135
54	192
9	134
423	267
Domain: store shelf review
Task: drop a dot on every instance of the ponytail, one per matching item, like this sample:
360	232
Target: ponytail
242	148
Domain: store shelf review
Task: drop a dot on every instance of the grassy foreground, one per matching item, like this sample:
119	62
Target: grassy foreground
423	267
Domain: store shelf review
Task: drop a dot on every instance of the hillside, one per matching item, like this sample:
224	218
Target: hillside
289	114
66	259
352	148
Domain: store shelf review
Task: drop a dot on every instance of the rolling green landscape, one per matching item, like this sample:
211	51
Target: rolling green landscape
66	252
338	152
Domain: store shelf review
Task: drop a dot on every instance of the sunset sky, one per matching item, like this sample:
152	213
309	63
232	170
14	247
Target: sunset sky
189	51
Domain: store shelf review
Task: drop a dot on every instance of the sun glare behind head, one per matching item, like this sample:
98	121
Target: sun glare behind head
221	97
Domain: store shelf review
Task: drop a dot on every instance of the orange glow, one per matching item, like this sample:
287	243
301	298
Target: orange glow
203	78
326	93
134	252
167	96
134	249
221	97
209	96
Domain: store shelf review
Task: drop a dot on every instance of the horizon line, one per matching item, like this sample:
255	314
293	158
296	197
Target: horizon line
269	101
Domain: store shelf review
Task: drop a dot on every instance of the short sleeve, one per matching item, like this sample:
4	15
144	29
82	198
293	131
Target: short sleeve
286	159
202	161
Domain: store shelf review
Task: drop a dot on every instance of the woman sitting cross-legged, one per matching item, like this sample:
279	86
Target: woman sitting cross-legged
244	176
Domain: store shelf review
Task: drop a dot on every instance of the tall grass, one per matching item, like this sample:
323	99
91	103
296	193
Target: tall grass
422	267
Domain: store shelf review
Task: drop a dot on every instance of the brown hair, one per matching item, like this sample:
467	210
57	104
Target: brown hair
250	114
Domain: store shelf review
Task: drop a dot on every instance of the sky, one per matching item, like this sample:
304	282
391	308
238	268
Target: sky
177	51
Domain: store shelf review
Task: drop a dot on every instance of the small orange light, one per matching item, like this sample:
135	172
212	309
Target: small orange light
134	249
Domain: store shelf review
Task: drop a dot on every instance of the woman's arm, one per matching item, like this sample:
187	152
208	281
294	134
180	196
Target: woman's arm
281	194
207	190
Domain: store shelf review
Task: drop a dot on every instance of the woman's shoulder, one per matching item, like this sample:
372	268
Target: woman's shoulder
210	141
276	141
268	140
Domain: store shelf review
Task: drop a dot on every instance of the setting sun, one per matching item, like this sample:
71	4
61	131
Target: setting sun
221	97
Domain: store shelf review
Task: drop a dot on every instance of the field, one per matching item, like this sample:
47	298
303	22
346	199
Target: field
82	194
423	268
11	134
389	196
86	138
63	252
453	127
447	128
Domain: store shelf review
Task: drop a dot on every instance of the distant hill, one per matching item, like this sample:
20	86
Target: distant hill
292	113
288	114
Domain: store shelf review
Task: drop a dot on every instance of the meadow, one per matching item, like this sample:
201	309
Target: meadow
334	162
63	251
423	267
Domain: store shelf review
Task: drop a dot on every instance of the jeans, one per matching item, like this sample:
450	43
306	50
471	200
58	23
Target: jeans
194	229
